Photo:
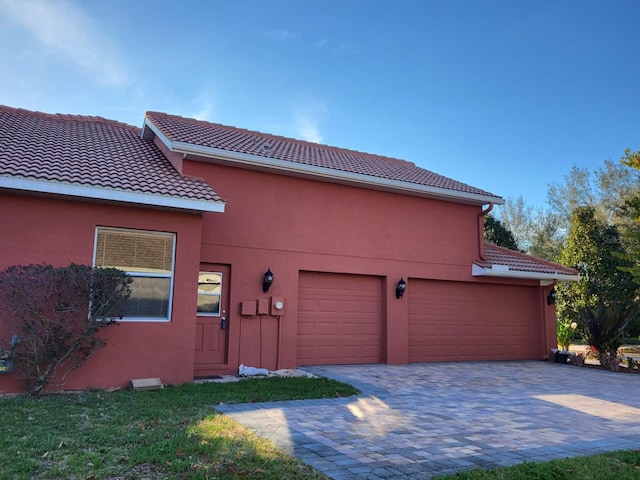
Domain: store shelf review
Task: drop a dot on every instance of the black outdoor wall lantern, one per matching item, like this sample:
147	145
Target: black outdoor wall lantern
551	298
267	281
400	288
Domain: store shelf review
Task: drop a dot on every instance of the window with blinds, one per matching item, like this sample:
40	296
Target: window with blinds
148	257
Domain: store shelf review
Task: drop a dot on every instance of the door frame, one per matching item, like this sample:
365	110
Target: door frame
201	370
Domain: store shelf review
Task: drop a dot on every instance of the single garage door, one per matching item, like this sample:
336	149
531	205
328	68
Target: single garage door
451	321
339	319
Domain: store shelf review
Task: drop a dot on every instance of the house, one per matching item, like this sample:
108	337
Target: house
272	252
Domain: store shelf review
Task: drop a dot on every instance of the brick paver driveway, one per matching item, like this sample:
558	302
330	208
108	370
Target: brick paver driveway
422	420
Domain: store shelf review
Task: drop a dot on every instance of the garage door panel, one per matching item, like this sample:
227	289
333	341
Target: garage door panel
350	329
325	353
306	305
342	319
327	306
451	321
370	307
366	330
350	306
306	330
326	329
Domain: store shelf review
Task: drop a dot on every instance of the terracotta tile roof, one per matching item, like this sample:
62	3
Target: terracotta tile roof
91	152
217	136
521	262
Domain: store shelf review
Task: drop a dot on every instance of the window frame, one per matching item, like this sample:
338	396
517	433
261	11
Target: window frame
139	274
219	295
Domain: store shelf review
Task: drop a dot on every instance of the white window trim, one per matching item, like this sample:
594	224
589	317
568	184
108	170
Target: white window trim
170	276
219	295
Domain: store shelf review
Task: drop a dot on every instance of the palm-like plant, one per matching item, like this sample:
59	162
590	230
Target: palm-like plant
605	327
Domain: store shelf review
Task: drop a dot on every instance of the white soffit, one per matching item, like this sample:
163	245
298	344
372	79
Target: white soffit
504	271
99	193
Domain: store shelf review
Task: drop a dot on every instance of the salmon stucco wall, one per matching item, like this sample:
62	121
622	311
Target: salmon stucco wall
293	225
282	213
59	232
549	323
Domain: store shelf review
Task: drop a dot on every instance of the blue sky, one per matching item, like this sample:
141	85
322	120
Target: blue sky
503	95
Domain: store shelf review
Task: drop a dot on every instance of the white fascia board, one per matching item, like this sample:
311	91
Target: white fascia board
478	271
323	172
156	131
83	191
336	175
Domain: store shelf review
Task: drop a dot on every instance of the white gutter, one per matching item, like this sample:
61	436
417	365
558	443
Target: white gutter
504	271
323	172
101	193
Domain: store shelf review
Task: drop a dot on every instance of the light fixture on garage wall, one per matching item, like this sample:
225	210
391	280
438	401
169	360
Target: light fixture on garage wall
400	288
551	298
267	281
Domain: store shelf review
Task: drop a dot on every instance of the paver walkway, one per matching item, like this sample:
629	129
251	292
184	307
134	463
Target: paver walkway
422	420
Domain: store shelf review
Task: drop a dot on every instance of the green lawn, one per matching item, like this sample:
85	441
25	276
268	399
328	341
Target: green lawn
170	433
173	433
609	466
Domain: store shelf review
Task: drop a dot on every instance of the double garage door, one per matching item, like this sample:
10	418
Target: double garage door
340	320
457	321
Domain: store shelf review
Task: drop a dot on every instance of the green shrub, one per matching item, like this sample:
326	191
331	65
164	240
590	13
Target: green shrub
605	326
565	332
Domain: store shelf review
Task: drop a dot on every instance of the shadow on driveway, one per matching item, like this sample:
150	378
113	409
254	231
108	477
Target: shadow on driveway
422	420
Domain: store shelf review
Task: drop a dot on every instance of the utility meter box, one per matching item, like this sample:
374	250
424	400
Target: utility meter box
263	306
277	306
248	308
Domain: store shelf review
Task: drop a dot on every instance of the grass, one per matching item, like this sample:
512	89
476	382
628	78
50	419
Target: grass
170	433
622	465
174	434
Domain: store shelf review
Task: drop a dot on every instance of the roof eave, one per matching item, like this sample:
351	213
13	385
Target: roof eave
544	278
106	194
330	174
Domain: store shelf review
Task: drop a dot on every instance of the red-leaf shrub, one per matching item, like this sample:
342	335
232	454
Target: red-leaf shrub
56	312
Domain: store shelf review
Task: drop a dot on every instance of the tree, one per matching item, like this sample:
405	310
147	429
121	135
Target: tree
537	232
56	314
630	219
618	183
517	217
595	250
496	233
578	190
605	190
547	236
630	211
542	233
631	159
